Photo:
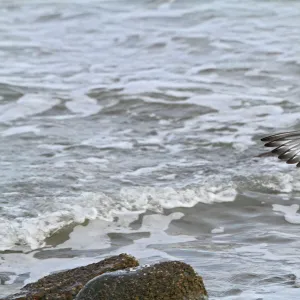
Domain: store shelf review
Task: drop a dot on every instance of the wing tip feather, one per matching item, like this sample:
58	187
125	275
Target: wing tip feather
283	143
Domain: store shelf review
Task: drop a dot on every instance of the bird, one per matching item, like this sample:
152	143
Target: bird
286	146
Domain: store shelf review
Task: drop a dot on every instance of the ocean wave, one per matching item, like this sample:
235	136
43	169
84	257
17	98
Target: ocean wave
32	231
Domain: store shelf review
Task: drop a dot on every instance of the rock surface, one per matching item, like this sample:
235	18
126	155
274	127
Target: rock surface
170	280
67	284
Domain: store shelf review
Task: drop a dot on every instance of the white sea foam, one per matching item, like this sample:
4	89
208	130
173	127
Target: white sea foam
289	211
283	183
28	105
156	225
140	171
218	230
20	130
157	199
68	210
168	177
52	147
103	142
218	102
65	210
83	105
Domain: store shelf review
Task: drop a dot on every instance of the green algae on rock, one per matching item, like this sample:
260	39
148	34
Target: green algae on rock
65	285
171	280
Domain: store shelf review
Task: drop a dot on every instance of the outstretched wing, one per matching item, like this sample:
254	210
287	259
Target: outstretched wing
286	146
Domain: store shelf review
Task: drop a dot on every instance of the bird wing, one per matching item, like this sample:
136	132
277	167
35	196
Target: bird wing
286	146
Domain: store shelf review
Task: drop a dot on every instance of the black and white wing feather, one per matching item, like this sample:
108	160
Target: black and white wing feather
286	146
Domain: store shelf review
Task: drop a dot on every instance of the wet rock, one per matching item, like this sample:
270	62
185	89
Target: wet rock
66	285
171	280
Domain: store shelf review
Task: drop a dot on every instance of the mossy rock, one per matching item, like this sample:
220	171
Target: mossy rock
66	285
172	280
